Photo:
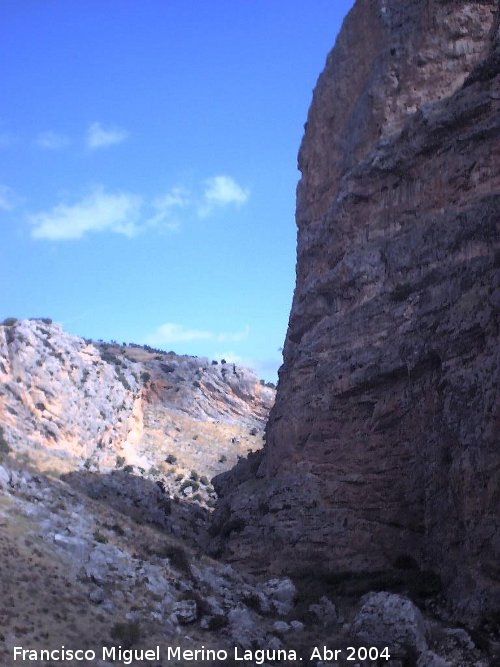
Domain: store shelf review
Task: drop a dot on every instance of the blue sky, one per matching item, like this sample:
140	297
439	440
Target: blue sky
148	167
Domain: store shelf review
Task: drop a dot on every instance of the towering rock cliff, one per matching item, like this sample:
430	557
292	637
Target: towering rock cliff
383	448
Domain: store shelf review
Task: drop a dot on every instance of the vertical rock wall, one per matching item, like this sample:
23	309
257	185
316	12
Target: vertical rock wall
384	443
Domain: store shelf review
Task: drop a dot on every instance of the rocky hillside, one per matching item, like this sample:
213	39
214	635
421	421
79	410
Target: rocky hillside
67	404
87	574
382	457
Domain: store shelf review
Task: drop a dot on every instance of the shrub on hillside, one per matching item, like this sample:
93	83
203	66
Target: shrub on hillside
127	633
4	445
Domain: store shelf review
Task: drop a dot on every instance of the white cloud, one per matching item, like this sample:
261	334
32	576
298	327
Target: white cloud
100	137
128	214
52	141
7	198
164	209
100	211
169	333
221	191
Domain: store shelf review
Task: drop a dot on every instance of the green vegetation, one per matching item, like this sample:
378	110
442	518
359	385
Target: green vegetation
45	320
189	483
4	445
122	379
401	292
109	357
217	622
177	556
127	633
99	537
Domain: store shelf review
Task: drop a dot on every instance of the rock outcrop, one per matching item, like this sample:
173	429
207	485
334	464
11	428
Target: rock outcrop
382	451
69	404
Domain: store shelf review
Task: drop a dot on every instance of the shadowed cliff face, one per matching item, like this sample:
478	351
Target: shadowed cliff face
383	445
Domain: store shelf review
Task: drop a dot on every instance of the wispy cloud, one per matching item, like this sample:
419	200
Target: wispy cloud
101	137
170	333
129	214
221	191
166	209
100	211
7	198
52	141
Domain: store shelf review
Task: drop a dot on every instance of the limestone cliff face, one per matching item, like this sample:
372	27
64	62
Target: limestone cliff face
383	446
60	400
68	404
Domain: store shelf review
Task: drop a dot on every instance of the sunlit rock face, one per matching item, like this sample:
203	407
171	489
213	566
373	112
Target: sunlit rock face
383	447
69	404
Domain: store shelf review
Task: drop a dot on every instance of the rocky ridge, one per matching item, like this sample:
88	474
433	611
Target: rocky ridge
382	460
68	404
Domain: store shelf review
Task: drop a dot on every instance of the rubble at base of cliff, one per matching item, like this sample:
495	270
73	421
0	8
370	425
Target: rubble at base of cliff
73	559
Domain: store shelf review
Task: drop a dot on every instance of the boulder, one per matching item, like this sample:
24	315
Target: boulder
186	611
387	619
324	611
281	593
4	477
281	627
431	659
243	627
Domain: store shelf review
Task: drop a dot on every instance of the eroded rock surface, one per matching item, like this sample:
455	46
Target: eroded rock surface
382	449
69	404
389	619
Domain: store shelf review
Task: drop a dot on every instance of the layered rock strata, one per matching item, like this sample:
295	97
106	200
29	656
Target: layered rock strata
383	446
